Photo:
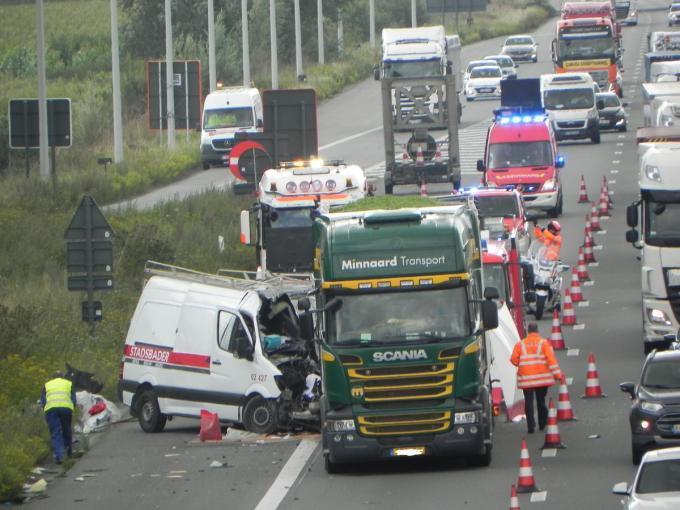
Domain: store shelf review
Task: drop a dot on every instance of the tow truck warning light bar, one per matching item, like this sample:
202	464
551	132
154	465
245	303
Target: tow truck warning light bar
312	163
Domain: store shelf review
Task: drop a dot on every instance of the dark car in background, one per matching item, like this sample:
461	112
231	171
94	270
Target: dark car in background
611	111
655	413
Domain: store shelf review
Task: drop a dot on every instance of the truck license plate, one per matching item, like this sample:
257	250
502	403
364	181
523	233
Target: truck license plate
571	132
486	90
408	451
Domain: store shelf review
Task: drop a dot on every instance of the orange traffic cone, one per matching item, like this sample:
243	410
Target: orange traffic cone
556	339
582	192
595	223
564	410
575	289
588	254
581	268
568	314
588	228
514	501
593	389
423	188
525	481
593	209
603	209
552	431
420	160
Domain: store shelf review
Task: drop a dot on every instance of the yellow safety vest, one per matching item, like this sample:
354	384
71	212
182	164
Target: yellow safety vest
58	394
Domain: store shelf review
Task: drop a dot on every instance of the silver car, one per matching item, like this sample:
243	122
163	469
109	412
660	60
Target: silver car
521	48
657	482
508	67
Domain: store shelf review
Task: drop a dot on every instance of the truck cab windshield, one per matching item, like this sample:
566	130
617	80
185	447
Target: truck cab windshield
290	218
568	99
519	154
221	118
497	206
413	69
601	46
414	316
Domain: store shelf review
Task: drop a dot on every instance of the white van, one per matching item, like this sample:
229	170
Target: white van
569	99
232	346
225	112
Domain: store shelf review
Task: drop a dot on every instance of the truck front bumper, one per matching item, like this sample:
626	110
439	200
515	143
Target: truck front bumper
658	319
212	157
431	171
543	201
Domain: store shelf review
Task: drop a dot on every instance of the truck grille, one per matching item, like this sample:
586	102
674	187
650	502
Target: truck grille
601	78
571	124
399	424
223	144
673	292
403	383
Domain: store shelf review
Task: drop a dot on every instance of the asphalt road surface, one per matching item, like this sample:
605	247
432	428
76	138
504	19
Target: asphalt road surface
134	470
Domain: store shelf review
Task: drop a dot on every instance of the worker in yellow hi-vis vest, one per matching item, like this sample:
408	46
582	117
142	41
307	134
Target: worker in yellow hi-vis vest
58	399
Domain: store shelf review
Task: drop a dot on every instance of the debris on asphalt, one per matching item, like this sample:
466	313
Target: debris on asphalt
38	470
36	488
216	464
594	436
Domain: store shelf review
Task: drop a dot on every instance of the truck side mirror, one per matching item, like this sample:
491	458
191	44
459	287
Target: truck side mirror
244	349
376	72
490	293
260	123
490	314
304	304
632	215
632	236
600	104
480	166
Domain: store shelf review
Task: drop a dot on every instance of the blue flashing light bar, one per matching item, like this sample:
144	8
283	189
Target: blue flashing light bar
518	116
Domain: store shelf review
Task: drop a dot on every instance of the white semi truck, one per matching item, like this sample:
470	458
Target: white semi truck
655	230
421	75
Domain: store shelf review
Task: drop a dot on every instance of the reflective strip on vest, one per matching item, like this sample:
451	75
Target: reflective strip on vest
58	394
535	378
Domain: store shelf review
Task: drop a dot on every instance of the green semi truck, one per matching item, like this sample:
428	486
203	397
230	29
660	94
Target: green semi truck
405	364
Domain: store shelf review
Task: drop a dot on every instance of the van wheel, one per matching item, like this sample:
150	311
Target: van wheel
332	468
259	416
149	413
206	166
595	138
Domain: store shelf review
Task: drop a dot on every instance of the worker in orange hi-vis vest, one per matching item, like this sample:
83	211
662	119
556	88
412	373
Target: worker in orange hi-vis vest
537	370
551	238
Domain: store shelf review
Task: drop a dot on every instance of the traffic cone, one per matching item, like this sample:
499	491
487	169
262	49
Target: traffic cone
595	223
582	192
593	210
603	209
420	160
514	501
556	339
405	155
568	314
588	228
581	268
525	481
564	410
423	188
552	431
590	239
593	389
575	289
588	254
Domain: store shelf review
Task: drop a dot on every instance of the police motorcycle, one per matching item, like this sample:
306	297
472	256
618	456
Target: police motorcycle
547	280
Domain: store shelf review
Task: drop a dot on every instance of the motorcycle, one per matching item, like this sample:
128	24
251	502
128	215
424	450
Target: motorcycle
547	280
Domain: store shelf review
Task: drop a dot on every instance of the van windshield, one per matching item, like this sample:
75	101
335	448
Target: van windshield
568	99
519	154
219	118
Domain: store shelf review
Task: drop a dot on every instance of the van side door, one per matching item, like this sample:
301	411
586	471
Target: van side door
232	363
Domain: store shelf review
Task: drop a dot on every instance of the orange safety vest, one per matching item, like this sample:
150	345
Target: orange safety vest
536	363
552	242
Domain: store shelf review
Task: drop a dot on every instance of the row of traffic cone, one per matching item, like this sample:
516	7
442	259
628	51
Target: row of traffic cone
604	202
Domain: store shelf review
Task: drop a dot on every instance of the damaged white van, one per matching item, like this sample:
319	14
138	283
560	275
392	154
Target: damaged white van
232	346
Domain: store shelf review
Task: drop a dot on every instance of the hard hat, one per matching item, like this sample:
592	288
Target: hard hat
554	226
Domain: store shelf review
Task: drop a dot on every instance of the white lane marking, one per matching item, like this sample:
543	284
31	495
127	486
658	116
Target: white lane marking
539	497
616	162
579	326
613	171
570	381
573	352
349	138
622	136
611	192
601	232
598	247
618	153
619	144
588	283
549	452
584	304
612	181
288	475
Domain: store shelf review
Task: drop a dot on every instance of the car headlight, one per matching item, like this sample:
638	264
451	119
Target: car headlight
340	425
652	173
651	407
549	185
657	316
463	418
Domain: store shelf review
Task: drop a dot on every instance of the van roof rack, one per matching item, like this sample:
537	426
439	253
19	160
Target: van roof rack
293	284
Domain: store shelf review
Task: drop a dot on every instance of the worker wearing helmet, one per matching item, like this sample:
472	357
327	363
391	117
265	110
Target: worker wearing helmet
551	238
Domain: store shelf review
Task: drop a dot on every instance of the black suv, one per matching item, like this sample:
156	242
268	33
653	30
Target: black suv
655	413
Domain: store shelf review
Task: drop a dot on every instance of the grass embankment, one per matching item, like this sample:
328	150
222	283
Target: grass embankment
40	326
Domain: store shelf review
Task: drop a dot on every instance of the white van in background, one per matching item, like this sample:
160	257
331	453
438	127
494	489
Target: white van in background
569	99
225	112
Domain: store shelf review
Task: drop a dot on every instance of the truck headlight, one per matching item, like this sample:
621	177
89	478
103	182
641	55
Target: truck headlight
464	418
652	172
340	425
651	407
657	316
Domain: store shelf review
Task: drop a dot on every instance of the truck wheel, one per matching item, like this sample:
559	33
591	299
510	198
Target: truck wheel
149	414
623	128
595	138
259	416
540	306
483	460
332	468
389	184
456	184
206	166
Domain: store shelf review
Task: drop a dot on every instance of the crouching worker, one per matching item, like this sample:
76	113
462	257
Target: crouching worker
58	400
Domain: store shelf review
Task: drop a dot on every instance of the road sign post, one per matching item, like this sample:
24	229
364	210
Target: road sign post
89	256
